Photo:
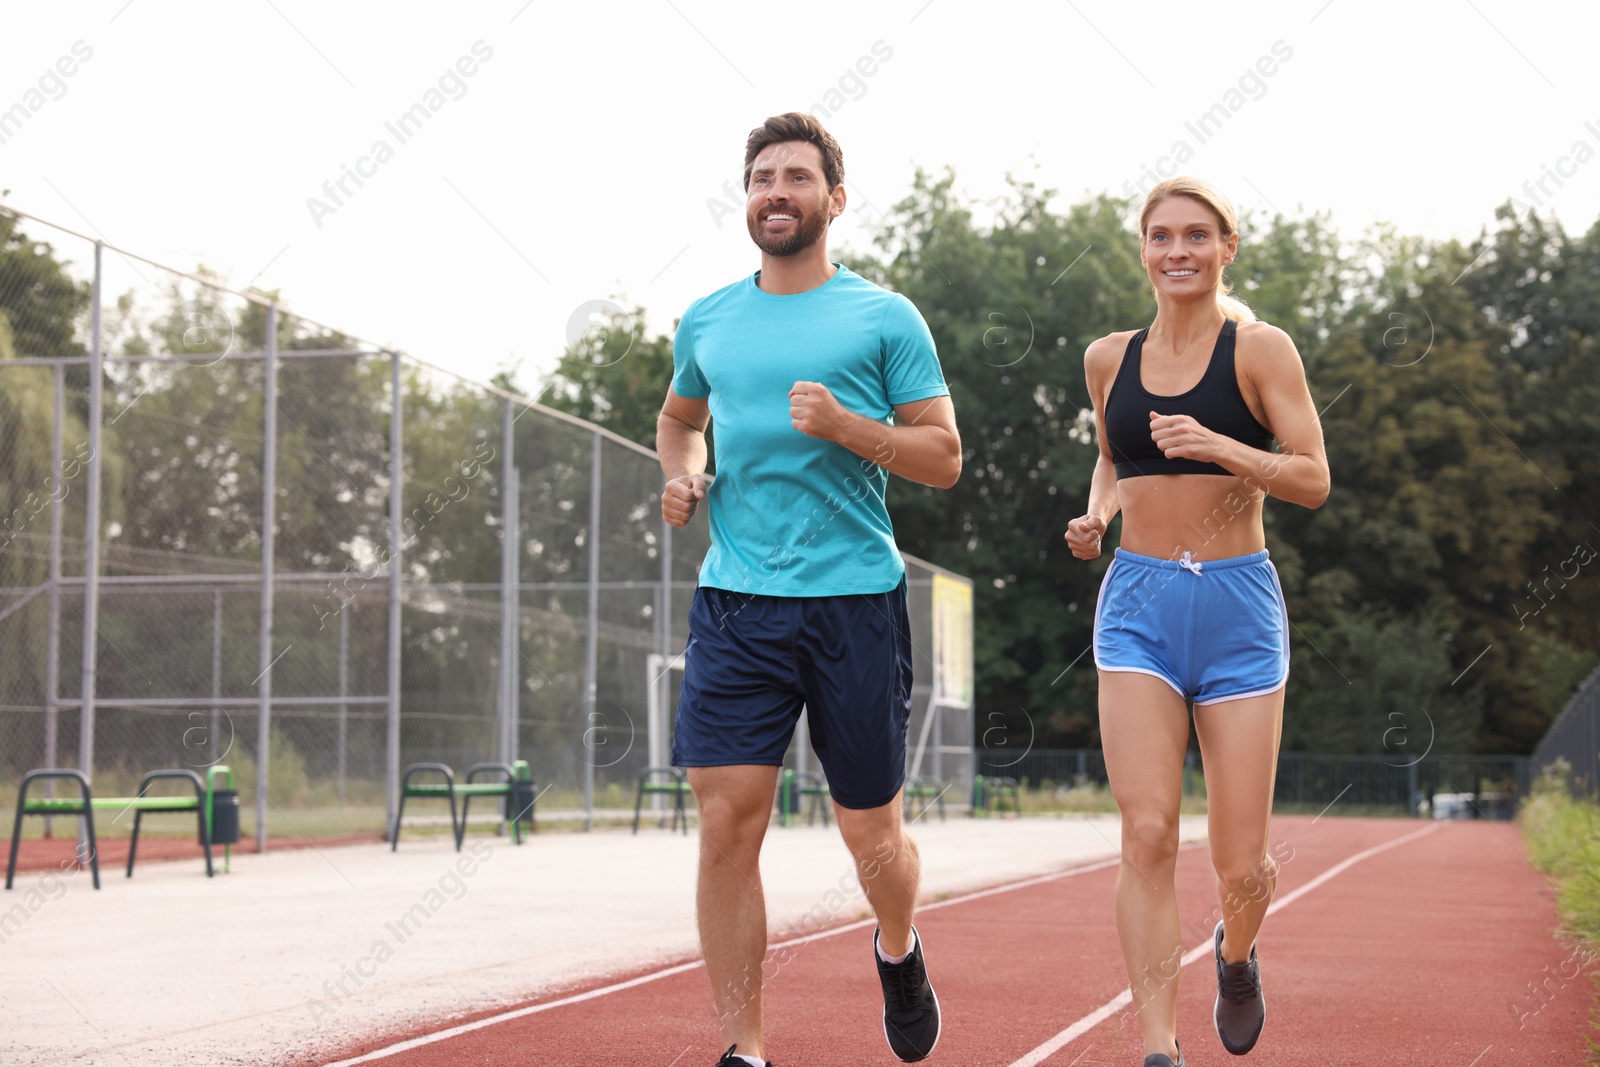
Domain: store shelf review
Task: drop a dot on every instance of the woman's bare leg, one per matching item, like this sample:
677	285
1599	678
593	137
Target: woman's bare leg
1239	745
1144	729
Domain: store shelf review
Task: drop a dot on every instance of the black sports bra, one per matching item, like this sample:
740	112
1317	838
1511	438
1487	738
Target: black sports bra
1215	403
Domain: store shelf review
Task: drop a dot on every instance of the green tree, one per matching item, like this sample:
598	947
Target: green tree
1012	303
1370	683
1294	275
1540	288
41	307
616	376
41	301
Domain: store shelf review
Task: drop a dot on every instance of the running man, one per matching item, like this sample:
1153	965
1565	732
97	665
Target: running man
821	384
1190	609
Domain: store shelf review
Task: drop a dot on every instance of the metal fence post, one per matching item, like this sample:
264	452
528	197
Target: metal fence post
344	693
397	480
802	737
511	618
590	714
660	726
52	681
216	670
510	594
91	542
269	493
972	778
666	603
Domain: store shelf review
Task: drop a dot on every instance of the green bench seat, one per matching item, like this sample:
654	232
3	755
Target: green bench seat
926	792
994	794
663	781
203	803
73	806
795	787
516	785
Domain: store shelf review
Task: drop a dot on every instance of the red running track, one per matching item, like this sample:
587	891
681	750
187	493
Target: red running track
1394	943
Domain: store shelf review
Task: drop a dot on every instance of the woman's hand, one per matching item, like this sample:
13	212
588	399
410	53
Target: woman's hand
1084	534
1181	437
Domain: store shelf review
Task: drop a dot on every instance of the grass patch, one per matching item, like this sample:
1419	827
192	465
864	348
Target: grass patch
1342	810
1563	837
1048	798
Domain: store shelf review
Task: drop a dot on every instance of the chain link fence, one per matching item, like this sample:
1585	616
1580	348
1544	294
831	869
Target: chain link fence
269	589
1441	786
1575	737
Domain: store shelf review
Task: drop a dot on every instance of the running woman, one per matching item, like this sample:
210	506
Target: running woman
820	384
1190	609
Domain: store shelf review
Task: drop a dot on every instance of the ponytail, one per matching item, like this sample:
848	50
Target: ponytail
1233	308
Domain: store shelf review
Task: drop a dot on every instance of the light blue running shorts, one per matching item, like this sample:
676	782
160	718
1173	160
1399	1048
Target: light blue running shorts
1212	629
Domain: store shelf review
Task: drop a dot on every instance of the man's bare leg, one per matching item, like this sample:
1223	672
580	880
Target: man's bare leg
888	865
735	804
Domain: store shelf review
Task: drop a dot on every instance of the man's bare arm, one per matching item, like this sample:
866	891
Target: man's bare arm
681	444
923	445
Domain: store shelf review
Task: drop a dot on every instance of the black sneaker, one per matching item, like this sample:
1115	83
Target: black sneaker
1161	1059
910	1010
1241	1009
730	1060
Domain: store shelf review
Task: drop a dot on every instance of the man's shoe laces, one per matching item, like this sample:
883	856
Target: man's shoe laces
907	987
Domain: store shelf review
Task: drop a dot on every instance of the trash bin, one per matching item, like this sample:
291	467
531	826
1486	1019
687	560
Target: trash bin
519	802
225	817
788	798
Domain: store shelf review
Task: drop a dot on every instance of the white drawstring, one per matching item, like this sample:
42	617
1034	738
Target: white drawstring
1188	564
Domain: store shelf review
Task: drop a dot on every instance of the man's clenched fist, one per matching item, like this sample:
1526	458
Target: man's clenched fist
816	412
681	496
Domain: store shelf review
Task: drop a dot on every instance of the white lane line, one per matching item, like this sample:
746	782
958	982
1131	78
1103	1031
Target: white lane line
534	1009
467	1028
1202	951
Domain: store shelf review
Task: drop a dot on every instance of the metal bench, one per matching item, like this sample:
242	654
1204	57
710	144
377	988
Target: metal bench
796	787
929	792
516	786
994	795
212	826
426	790
676	785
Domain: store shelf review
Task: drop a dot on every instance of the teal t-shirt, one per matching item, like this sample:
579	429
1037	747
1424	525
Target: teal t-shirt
793	515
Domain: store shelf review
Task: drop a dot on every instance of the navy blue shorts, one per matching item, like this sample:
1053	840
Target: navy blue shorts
752	661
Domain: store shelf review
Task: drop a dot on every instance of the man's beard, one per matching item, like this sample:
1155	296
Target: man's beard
810	227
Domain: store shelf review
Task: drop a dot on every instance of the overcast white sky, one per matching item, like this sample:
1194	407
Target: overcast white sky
576	162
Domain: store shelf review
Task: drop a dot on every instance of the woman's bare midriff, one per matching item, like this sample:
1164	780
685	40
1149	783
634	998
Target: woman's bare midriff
1212	516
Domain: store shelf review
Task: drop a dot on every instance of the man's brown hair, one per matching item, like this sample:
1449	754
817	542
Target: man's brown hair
795	126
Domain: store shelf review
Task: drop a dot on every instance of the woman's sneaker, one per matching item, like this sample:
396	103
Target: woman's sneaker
1161	1059
910	1010
1240	1009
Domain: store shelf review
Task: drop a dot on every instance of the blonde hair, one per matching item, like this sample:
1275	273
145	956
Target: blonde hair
1228	220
